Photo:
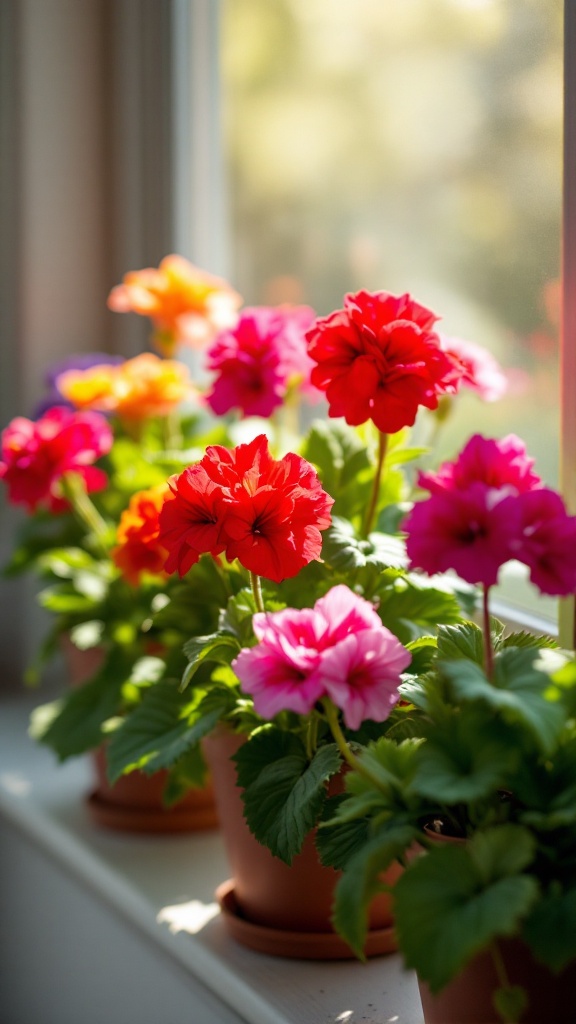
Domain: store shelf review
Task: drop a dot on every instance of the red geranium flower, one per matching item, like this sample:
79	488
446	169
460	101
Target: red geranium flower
35	455
267	513
379	359
190	520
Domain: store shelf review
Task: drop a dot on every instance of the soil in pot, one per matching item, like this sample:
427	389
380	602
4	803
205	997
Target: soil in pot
273	907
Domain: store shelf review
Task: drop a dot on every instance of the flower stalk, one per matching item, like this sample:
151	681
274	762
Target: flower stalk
487	633
343	746
84	509
371	510
257	591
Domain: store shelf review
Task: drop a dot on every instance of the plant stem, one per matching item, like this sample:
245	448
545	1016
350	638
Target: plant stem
257	591
488	650
312	736
172	431
343	745
84	509
371	511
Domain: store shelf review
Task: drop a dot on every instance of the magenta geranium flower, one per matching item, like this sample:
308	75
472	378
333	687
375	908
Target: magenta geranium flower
339	649
548	542
258	360
36	454
486	508
499	464
469	531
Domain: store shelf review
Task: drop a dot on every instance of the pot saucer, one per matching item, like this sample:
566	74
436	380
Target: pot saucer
297	945
149	819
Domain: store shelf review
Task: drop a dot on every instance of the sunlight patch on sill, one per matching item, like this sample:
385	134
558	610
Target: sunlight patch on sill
189	917
15	784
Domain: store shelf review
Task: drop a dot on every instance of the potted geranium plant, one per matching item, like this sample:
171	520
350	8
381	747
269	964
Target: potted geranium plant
337	620
90	469
485	779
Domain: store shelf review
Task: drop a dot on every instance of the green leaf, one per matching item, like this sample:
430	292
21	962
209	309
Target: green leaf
88	634
161	729
284	798
501	851
221	648
72	725
337	842
345	551
551	929
447	909
510	1002
361	881
517	690
525	639
465	759
188	772
462	641
411	605
63	599
339	454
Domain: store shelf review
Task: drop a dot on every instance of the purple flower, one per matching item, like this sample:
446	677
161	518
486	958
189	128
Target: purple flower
79	361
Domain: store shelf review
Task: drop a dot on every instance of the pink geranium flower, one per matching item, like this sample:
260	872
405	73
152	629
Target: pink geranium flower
258	360
339	649
36	454
479	370
361	675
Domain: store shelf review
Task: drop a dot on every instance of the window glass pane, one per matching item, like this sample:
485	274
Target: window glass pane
407	146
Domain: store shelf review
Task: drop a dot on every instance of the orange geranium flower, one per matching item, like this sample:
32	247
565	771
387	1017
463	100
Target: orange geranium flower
138	549
186	305
137	389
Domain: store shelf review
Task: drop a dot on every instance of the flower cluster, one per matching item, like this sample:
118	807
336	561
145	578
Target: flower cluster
139	549
379	359
185	304
266	512
337	649
259	360
488	507
36	455
134	390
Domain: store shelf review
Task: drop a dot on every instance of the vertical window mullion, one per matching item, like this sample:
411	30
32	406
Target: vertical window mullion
568	337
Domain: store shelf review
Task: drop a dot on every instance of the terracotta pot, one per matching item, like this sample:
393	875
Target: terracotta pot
80	665
468	998
268	905
134	803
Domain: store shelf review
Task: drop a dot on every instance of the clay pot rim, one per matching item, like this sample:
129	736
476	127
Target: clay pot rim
292	944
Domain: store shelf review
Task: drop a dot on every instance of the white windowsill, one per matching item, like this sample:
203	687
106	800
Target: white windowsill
140	877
